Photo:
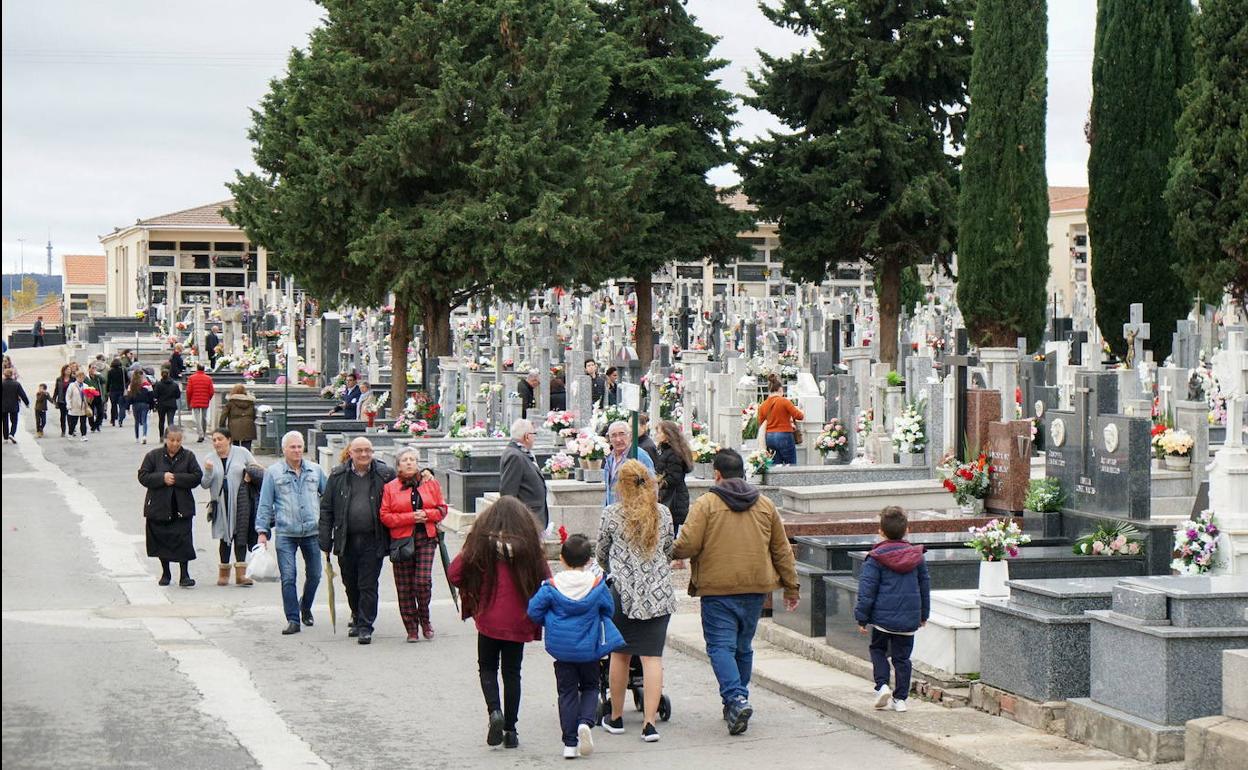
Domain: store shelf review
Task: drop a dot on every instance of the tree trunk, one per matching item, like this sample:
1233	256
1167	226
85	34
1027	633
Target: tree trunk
644	339
437	317
890	306
400	335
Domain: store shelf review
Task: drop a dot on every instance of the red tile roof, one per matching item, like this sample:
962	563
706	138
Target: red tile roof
738	202
85	269
1068	198
51	311
200	216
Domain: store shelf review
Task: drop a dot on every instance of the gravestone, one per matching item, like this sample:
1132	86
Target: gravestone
1009	451
1135	332
959	364
983	407
1185	345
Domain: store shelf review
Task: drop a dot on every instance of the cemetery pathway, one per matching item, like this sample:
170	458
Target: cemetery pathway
104	669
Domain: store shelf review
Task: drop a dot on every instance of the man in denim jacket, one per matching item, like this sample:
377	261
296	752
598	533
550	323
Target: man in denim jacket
291	498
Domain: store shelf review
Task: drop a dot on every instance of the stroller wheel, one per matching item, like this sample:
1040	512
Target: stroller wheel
637	705
665	708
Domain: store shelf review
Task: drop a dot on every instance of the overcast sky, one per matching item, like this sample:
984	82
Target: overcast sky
121	110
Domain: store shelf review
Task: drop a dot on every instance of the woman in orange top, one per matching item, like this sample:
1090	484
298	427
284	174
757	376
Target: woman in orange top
779	413
413	506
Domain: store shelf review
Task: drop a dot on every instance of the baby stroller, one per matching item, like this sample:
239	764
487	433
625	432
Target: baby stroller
634	686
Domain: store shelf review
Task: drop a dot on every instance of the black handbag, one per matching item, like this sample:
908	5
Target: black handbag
403	549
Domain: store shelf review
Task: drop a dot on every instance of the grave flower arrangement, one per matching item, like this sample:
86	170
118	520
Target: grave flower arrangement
997	540
670	391
307	374
1195	546
788	372
604	417
1109	539
760	368
833	438
749	422
696	428
425	408
788	358
1177	443
909	436
488	389
703	449
336	389
459	418
373	405
1044	495
1156	433
968	480
416	428
560	421
865	418
461	450
559	465
759	461
587	445
180	326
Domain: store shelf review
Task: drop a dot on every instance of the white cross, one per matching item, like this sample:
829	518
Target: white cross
1136	331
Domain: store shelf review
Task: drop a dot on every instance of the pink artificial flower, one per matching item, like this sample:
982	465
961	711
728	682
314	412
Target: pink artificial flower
1133	548
1098	547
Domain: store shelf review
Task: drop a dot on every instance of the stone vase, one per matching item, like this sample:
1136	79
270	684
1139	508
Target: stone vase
591	465
973	507
910	459
703	471
835	458
992	577
1178	462
592	475
463	464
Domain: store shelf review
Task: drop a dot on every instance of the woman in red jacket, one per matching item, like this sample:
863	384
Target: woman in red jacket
412	507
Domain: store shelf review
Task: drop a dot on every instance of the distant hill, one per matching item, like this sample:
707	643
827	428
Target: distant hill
48	284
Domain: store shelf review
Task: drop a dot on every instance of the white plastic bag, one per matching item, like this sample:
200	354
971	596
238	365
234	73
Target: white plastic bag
261	563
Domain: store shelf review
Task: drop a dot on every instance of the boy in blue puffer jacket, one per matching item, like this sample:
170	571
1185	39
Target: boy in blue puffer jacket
894	597
575	607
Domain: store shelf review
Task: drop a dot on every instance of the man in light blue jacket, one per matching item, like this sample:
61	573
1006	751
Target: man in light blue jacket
290	498
620	435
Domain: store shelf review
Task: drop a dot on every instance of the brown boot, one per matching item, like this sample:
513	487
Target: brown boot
223	574
240	574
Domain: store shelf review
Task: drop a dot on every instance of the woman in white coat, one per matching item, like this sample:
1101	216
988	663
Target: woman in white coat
77	404
229	472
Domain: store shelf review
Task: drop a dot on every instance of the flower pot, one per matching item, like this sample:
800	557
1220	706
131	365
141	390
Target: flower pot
703	471
911	459
591	465
835	458
992	577
972	507
1178	462
463	464
370	417
559	475
1159	463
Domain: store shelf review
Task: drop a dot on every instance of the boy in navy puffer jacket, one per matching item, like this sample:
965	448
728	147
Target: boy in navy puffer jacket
894	597
575	607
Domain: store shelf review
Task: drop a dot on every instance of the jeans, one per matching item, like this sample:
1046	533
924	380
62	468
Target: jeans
117	407
10	424
489	652
897	647
140	418
728	624
360	563
41	419
784	447
287	568
577	684
64	412
200	416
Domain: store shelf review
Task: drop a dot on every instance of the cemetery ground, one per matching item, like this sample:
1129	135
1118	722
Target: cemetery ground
102	668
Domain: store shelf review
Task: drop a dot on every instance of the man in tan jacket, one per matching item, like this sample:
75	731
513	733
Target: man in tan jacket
738	554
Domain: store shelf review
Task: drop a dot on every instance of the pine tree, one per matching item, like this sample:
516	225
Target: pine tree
1142	59
439	150
875	110
1208	188
1003	252
664	80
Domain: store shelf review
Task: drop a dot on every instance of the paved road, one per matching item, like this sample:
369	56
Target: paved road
104	669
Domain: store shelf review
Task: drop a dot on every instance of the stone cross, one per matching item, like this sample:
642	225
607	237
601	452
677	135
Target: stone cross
960	364
1135	332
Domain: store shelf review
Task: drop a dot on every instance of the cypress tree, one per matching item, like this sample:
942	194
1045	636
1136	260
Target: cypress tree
1142	59
1208	188
874	109
1003	252
664	80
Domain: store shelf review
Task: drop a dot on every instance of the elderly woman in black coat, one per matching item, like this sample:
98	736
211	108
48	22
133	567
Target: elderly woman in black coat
170	472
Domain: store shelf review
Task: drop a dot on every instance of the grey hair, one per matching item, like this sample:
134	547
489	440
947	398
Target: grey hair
533	373
520	428
404	452
622	424
291	434
171	428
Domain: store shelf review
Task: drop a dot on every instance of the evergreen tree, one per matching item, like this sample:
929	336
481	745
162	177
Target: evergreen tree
1003	251
664	80
1142	59
437	150
1208	189
875	110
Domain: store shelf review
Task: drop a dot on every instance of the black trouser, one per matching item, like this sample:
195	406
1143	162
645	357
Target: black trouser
240	551
183	568
116	407
245	443
895	647
489	652
41	419
97	413
577	684
10	424
38	342
83	423
360	564
166	416
64	410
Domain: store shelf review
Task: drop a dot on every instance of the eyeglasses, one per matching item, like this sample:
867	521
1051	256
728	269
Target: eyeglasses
533	433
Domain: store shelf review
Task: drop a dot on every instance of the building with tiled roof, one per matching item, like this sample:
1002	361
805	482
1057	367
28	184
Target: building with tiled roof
85	286
1070	254
191	256
52	312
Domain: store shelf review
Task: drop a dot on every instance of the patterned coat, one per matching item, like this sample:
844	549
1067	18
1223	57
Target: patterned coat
643	582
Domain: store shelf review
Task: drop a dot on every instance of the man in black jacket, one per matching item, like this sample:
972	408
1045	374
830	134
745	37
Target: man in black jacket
527	390
351	528
597	383
176	365
520	477
14	394
211	340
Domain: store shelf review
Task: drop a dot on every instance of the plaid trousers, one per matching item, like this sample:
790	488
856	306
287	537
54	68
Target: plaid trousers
413	580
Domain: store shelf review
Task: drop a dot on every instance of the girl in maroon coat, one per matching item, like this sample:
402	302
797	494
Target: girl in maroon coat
497	572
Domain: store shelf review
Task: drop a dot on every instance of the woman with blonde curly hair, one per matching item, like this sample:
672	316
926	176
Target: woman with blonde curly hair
635	541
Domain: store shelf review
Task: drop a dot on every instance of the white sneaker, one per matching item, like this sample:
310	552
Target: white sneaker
84	438
569	752
882	696
899	705
584	740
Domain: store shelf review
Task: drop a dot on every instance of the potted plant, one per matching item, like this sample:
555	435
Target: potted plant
560	421
589	448
996	541
1043	496
703	455
1195	546
1178	447
968	481
833	443
759	461
559	465
463	456
909	438
1111	538
1158	431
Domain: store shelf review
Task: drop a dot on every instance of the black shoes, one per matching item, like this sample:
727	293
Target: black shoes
649	734
187	582
511	740
291	628
739	713
164	580
613	726
307	617
494	735
352	631
366	637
